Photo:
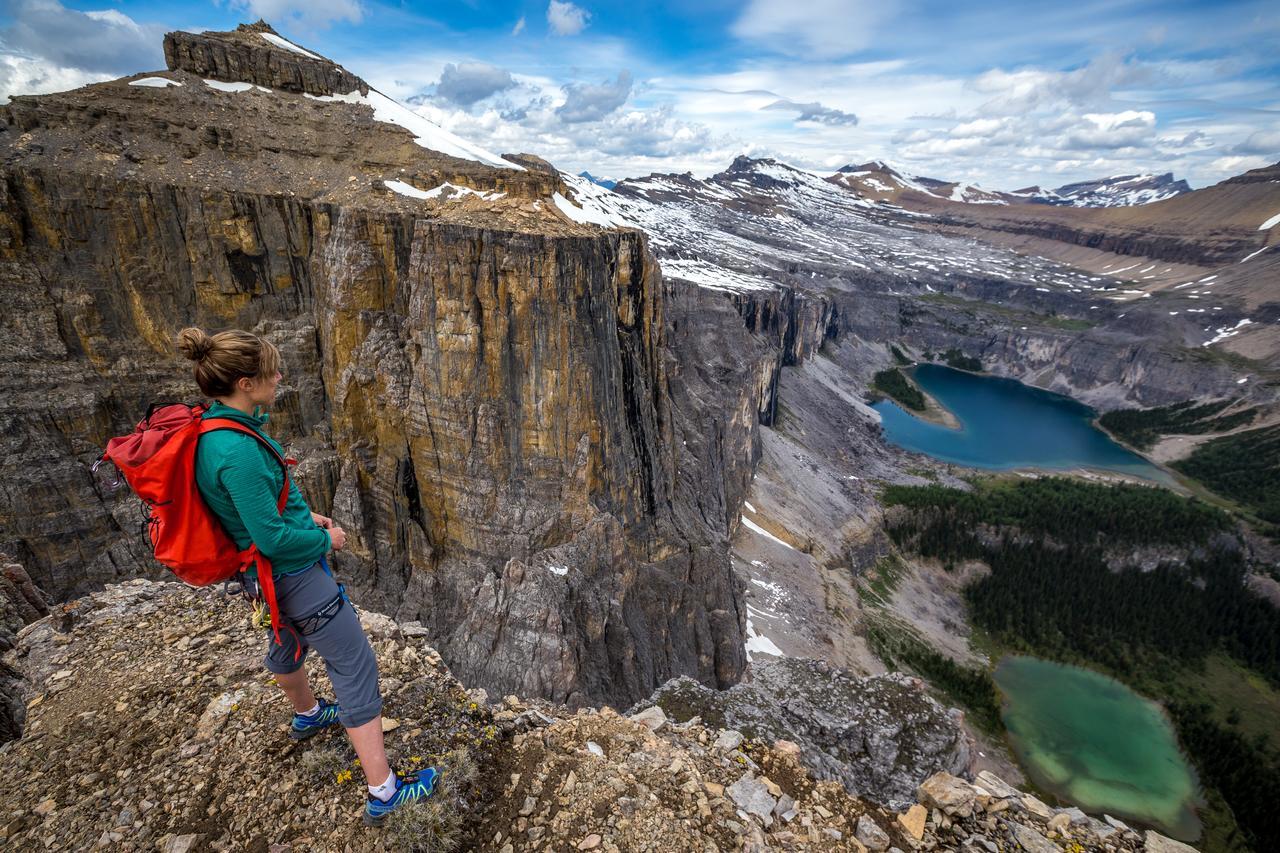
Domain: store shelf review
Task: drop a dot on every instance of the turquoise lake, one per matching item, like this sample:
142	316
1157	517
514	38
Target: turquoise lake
1005	425
1095	743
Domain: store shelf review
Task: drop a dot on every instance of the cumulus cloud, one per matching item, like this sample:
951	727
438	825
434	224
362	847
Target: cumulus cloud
1126	129
469	82
308	14
821	29
22	75
814	112
107	42
630	141
587	102
1014	92
566	19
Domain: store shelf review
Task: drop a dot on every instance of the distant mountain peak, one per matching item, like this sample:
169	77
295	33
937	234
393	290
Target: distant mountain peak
1121	190
607	183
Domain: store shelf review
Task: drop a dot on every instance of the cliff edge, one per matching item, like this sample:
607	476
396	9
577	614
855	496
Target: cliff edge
152	726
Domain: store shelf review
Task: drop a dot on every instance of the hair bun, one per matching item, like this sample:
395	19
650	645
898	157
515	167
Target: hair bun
194	343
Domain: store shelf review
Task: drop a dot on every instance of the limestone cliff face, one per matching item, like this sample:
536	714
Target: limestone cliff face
479	391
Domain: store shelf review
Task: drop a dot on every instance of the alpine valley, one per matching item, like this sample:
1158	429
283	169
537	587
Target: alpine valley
625	449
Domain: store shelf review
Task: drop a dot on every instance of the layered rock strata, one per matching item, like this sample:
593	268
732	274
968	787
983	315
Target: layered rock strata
244	55
479	387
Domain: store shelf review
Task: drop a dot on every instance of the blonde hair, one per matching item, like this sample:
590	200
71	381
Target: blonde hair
224	358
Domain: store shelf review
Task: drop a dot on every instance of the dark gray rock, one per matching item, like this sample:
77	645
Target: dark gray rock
880	736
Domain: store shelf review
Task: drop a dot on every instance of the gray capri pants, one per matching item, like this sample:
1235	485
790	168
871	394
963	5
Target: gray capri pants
341	643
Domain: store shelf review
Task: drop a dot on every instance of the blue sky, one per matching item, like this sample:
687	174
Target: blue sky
1003	93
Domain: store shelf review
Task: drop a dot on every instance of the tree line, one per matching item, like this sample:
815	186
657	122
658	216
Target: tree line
1051	592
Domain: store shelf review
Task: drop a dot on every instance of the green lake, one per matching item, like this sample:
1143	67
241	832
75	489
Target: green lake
1098	745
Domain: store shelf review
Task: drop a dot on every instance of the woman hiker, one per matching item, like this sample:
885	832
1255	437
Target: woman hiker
241	480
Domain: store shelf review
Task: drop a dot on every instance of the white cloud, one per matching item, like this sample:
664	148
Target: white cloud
1228	166
1014	92
469	82
813	112
21	75
588	102
519	27
821	29
566	19
67	39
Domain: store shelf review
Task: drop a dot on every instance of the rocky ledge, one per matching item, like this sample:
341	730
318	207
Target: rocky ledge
152	726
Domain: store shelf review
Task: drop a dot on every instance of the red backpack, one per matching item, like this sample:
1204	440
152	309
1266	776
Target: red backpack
157	460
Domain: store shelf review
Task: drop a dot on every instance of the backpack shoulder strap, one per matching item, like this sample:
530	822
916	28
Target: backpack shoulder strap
252	555
214	424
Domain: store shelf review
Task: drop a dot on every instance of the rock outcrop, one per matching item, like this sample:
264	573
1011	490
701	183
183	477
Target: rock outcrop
152	728
879	736
21	603
479	386
255	53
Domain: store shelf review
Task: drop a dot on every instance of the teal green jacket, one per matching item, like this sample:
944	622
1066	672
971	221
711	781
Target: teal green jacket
240	481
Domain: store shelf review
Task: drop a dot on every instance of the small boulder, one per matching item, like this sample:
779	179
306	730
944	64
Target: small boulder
1036	807
1032	841
871	835
183	844
787	748
996	786
653	718
379	626
913	821
947	793
729	740
750	795
216	712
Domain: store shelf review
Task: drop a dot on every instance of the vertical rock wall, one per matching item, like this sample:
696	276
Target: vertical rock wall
486	411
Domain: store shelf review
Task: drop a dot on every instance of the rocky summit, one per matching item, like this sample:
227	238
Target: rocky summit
150	726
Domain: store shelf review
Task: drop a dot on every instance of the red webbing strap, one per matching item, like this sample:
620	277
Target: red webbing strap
251	555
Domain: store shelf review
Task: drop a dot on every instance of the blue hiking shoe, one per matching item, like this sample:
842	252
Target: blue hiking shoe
304	727
409	789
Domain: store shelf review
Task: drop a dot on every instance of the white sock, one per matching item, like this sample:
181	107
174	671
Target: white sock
384	791
315	709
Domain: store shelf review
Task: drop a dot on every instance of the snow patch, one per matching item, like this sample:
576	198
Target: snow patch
238	86
1270	223
755	528
155	82
558	571
768	586
714	277
1252	255
426	133
288	45
1225	332
446	190
759	643
748	505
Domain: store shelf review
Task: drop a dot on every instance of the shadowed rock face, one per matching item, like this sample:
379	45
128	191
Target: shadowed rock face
479	392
